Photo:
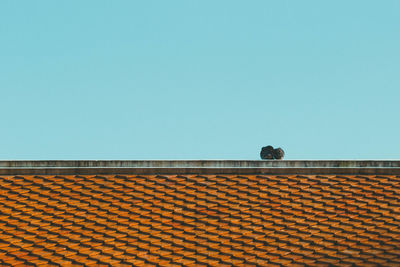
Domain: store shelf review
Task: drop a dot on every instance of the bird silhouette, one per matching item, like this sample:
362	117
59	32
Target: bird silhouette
268	152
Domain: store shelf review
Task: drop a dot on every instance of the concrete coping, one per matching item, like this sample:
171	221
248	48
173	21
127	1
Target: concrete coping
98	167
198	163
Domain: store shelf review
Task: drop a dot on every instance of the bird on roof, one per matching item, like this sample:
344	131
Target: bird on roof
268	152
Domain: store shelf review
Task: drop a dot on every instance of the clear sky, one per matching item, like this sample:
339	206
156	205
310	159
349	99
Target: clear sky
199	79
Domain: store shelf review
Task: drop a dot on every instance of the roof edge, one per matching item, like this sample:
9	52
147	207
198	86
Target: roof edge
77	167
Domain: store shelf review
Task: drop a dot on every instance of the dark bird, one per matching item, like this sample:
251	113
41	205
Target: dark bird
268	152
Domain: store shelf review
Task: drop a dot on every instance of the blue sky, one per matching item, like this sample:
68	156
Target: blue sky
199	79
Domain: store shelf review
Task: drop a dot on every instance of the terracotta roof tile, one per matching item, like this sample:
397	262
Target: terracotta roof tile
200	220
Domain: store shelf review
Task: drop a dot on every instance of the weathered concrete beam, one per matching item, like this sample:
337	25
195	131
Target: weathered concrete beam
93	167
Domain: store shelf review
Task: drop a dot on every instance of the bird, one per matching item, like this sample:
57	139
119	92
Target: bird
279	153
268	152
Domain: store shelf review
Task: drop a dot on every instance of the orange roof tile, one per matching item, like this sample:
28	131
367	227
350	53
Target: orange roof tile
200	219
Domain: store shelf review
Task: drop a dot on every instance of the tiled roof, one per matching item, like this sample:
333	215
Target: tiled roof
200	220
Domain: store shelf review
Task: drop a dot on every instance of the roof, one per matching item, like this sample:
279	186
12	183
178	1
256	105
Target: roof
200	213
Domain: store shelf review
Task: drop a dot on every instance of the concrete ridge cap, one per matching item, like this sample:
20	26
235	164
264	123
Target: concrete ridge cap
199	164
207	160
198	167
172	167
